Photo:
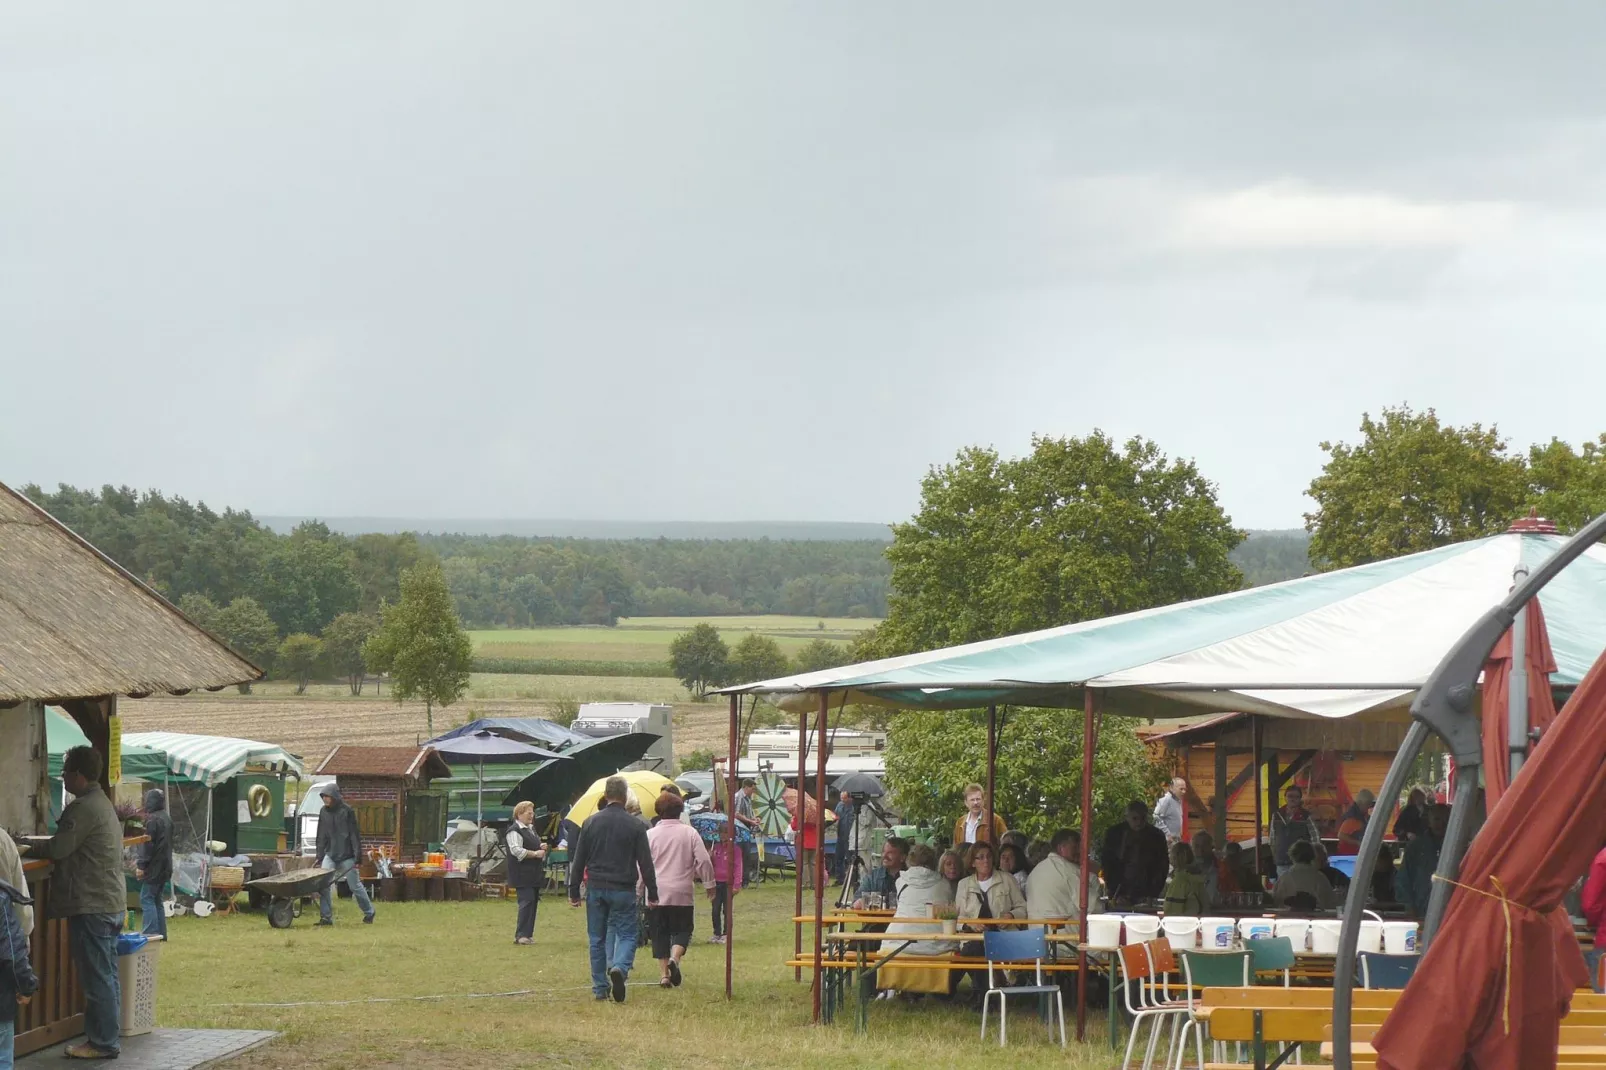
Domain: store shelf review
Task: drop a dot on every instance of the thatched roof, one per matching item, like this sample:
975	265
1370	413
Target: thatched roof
74	624
406	763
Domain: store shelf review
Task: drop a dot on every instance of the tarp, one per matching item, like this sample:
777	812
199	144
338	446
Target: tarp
542	733
1358	641
210	760
62	734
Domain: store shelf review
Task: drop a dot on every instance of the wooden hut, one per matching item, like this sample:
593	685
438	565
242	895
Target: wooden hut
77	631
1329	760
389	789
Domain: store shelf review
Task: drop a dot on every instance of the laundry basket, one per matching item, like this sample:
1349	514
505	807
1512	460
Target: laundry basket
136	977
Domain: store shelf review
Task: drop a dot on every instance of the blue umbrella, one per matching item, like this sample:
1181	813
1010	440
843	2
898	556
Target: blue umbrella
711	827
481	747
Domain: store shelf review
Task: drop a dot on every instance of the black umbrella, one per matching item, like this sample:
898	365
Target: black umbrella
860	784
557	782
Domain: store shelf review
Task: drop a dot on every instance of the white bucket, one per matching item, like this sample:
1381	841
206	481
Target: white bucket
1324	936
1255	928
1141	928
1182	932
1296	929
1216	933
1103	930
1399	937
1371	936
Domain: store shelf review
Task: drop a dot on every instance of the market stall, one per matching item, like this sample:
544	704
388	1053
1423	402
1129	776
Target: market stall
78	632
401	816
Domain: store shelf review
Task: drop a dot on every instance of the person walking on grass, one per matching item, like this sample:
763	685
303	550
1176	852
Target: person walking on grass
526	869
155	866
679	858
610	857
339	848
87	889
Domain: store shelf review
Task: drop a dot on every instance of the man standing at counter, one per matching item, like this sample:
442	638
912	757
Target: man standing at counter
88	891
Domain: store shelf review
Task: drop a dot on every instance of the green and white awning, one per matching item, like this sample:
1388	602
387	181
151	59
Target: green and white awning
1359	641
211	760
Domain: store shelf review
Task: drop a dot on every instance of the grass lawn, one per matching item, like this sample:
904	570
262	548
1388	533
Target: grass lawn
216	965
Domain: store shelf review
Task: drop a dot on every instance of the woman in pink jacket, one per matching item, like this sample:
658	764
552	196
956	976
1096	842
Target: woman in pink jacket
678	858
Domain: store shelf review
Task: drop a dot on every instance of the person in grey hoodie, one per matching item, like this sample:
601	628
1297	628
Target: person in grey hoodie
155	864
340	849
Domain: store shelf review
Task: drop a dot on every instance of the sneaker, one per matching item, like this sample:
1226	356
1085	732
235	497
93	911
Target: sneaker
601	997
368	919
674	973
326	921
89	1051
616	979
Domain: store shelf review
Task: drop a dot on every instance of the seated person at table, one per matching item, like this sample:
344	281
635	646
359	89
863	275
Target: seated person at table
1414	881
920	887
1185	892
883	880
1240	864
1134	857
1054	889
1012	860
1337	879
988	892
1302	885
1218	879
1352	826
951	867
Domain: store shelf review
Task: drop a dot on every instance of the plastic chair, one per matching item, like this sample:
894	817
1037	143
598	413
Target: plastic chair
1138	981
1016	946
1212	969
1273	954
1387	971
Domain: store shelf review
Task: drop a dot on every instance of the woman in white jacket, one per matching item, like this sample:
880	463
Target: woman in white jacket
920	886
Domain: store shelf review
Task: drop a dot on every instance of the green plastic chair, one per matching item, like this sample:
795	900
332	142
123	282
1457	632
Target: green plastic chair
1272	955
1212	969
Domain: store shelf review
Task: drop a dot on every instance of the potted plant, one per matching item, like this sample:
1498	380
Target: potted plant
948	913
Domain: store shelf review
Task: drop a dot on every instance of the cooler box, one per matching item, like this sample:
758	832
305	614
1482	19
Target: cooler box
136	977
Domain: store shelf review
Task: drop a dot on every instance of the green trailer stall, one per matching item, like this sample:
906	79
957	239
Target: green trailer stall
222	789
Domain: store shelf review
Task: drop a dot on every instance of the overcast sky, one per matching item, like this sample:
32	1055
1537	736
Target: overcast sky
714	261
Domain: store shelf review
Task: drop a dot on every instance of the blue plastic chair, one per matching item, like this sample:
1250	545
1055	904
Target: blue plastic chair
1017	946
1272	954
1387	971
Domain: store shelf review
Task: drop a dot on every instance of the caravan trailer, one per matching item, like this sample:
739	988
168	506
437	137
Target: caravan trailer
599	719
848	750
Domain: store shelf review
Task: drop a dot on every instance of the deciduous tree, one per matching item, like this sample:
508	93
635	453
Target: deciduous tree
819	654
298	659
246	626
1568	485
699	659
343	641
756	657
422	644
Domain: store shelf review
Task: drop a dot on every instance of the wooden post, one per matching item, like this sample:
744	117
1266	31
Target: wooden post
1089	743
1221	794
992	770
797	838
731	782
819	842
1260	813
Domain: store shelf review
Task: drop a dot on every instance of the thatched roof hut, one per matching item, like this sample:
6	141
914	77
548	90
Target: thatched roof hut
75	624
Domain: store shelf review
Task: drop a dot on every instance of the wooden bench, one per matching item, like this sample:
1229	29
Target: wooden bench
1578	1046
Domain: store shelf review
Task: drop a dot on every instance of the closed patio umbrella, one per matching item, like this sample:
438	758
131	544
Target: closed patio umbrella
1541	662
1502	970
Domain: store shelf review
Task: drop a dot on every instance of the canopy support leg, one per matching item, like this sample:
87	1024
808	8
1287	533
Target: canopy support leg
797	839
1089	743
1256	741
1219	808
730	836
819	844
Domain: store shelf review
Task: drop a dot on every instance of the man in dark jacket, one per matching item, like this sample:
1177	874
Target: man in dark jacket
87	889
340	849
155	864
612	852
17	980
1134	857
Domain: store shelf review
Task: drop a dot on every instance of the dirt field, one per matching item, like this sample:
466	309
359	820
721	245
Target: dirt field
313	724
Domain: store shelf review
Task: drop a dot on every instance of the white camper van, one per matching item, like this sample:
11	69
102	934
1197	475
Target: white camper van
618	718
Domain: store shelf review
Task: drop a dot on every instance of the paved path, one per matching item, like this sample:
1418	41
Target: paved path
165	1049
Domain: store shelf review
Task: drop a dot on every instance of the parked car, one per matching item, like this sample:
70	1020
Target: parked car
307	819
700	781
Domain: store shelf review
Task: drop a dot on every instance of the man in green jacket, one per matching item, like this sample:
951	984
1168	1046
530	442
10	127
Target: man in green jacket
87	889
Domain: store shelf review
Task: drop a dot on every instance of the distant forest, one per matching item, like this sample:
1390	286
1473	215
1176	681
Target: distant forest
305	578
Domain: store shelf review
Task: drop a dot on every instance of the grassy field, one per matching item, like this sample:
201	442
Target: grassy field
425	958
642	639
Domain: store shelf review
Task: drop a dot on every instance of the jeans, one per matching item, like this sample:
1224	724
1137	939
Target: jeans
345	871
152	915
611	923
8	1043
92	940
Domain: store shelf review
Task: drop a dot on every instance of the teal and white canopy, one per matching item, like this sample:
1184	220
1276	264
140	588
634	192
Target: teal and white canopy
1356	642
211	760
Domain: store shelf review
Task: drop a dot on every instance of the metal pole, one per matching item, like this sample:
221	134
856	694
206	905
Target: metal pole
819	844
1089	701
1255	743
730	839
992	769
1455	844
1517	704
797	838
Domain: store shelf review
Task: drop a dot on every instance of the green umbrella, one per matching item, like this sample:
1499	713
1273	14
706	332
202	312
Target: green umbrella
769	805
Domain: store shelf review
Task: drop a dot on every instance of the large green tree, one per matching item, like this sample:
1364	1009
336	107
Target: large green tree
422	644
756	657
699	659
343	641
298	659
307	579
1568	485
1078	528
1412	483
933	754
246	626
819	654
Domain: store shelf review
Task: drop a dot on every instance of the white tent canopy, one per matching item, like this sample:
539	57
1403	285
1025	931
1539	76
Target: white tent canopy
210	760
1355	642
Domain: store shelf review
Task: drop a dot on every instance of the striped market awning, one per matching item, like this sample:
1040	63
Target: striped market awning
211	760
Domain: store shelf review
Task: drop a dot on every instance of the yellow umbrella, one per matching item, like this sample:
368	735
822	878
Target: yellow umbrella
644	784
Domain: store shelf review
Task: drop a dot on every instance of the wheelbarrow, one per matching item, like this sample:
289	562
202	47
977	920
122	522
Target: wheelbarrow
288	892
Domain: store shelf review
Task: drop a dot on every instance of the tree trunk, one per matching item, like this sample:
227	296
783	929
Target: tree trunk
429	717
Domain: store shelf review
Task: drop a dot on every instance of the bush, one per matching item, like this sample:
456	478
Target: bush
697	759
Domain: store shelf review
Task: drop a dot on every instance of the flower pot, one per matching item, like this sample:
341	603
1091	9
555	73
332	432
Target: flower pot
949	925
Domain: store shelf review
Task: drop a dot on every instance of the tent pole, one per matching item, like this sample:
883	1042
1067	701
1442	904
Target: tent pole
1255	743
1517	692
992	770
819	843
730	836
1220	808
1089	702
797	841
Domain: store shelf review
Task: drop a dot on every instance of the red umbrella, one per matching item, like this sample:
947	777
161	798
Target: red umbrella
1493	987
1497	700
